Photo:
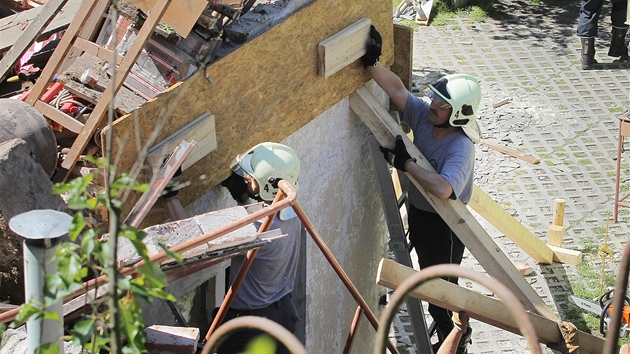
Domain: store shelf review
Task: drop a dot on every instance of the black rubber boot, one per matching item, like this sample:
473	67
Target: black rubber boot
618	47
588	52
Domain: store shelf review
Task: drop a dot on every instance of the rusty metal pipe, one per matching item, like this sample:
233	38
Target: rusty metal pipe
340	272
444	270
242	272
619	296
260	323
354	329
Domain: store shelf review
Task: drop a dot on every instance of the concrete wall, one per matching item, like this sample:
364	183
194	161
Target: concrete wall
339	193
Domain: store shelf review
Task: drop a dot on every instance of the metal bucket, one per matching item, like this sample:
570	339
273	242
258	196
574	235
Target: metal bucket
20	120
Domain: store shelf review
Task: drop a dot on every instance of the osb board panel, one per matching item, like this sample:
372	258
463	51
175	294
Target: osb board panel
263	91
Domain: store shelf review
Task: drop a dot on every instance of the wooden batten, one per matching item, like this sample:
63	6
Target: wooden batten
346	46
253	100
478	306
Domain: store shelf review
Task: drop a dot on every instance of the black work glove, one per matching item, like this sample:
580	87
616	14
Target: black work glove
372	48
171	190
237	187
398	156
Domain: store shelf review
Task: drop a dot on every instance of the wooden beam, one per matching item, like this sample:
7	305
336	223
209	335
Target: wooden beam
98	113
281	98
181	15
564	255
454	213
511	152
96	50
510	227
12	27
58	116
201	130
478	306
346	46
29	35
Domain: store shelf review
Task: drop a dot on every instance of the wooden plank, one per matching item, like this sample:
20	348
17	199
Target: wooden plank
58	116
346	46
454	213
181	14
97	50
403	58
511	152
478	306
202	130
60	53
277	100
510	227
97	115
563	255
12	27
403	54
29	35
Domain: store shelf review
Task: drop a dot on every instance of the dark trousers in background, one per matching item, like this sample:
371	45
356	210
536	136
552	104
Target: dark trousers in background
592	9
282	311
435	243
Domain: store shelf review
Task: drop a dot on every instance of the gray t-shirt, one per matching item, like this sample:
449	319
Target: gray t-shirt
452	157
272	273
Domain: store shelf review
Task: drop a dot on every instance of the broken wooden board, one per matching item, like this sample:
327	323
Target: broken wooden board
175	233
478	306
453	212
509	226
265	102
403	58
12	27
423	11
201	130
511	152
29	35
341	49
181	15
126	100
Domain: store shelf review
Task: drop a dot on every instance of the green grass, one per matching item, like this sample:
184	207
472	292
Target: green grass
442	14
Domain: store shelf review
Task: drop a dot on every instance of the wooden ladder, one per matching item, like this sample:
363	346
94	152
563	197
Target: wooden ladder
76	39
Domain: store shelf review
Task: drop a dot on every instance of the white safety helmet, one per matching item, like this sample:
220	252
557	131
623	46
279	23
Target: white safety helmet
268	163
463	93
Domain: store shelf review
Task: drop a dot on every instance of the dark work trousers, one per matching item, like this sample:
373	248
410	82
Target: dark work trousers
282	311
435	243
590	12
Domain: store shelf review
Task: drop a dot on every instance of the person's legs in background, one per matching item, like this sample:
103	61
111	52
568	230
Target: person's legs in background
618	46
587	31
435	243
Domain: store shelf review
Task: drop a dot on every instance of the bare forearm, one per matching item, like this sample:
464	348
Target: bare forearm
430	181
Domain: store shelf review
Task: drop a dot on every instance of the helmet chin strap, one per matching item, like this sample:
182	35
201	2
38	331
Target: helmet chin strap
443	125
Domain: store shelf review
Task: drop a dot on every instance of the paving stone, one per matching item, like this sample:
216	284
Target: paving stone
565	116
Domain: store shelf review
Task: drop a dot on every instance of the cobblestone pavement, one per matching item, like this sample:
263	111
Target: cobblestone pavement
559	113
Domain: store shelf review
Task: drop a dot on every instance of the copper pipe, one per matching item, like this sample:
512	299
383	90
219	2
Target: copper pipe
287	193
354	328
443	270
340	272
260	323
162	256
236	284
619	296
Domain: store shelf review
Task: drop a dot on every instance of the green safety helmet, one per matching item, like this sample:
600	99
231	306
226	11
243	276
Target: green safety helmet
463	93
268	163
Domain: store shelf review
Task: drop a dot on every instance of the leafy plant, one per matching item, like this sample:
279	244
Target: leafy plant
117	327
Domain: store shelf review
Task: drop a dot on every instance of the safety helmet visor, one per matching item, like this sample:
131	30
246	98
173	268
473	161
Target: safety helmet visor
437	99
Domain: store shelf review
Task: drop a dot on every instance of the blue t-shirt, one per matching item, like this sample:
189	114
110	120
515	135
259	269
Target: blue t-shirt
452	157
272	273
